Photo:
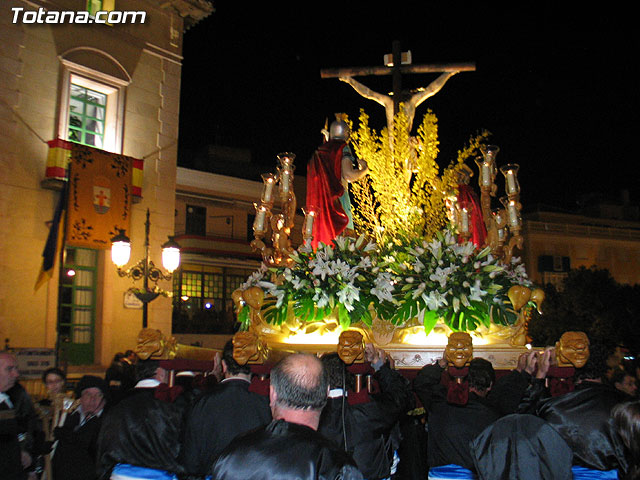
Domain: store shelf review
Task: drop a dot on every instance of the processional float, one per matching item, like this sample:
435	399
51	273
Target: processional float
282	307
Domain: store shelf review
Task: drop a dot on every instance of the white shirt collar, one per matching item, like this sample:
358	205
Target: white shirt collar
337	393
148	383
84	418
4	398
235	378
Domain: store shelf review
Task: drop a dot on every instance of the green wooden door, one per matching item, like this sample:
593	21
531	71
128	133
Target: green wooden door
76	321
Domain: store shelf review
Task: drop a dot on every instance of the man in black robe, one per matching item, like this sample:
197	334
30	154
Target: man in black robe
75	453
452	426
365	429
290	446
145	428
582	417
222	414
19	423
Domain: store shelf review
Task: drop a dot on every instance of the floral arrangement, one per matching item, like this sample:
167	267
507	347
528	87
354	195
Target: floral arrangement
440	279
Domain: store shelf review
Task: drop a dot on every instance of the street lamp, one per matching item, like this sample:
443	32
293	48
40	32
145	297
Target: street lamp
145	269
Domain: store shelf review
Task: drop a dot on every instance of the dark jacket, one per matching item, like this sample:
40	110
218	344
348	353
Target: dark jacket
285	451
217	418
508	391
75	453
18	428
366	427
582	418
120	378
142	430
451	427
522	447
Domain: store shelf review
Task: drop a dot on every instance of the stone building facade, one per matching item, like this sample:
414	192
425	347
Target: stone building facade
126	78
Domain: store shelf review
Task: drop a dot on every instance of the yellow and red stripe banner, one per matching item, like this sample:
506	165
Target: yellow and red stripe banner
60	152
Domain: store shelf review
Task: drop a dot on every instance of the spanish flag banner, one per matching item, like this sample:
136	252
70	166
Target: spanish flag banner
60	153
99	197
54	242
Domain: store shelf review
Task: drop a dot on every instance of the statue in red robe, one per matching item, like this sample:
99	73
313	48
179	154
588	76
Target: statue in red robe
330	169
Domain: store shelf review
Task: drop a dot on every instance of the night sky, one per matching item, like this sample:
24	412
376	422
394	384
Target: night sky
559	91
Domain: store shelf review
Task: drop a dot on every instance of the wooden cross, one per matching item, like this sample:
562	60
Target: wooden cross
396	70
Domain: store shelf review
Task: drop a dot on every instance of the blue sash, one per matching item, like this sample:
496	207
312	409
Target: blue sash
582	473
123	471
450	472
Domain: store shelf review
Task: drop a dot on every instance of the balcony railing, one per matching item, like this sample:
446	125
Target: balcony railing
582	230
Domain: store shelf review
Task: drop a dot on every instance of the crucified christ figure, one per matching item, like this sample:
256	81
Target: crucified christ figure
410	100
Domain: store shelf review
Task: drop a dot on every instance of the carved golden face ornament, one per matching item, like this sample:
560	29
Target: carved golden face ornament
459	349
351	346
245	347
572	349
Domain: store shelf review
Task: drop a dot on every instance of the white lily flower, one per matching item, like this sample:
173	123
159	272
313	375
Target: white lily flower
299	283
341	242
370	246
383	287
321	299
287	274
365	262
441	275
266	285
320	269
434	300
279	294
418	266
347	295
476	293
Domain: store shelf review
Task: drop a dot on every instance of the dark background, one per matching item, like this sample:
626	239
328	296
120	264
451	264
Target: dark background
558	89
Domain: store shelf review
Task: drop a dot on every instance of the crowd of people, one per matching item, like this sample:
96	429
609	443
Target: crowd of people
560	414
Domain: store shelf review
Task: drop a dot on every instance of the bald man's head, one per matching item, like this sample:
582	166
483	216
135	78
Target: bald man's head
300	382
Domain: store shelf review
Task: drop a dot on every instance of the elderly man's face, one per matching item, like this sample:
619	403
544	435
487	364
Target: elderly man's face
91	400
350	347
8	372
573	349
459	349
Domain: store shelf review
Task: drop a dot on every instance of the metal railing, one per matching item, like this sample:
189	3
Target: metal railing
583	230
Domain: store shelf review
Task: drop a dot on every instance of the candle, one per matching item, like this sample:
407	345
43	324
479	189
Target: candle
267	192
486	174
285	180
308	222
514	218
511	182
258	223
464	220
